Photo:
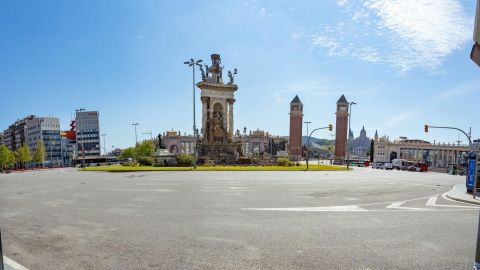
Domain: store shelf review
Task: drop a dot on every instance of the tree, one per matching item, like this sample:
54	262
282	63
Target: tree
371	151
40	152
24	154
145	149
127	153
4	154
185	160
11	158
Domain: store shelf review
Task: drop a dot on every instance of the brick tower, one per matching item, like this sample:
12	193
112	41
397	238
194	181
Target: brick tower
296	120
341	127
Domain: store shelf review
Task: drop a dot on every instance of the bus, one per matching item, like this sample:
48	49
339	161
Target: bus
355	162
418	166
95	161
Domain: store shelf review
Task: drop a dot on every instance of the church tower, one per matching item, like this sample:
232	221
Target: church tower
296	120
376	136
341	127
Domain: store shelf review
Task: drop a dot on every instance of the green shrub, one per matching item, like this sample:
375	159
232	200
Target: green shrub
126	164
297	164
185	160
283	162
145	161
161	164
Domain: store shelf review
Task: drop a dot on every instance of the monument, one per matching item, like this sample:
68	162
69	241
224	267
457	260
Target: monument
217	143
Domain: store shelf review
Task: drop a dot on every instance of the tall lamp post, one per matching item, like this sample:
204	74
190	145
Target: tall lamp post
104	149
81	136
348	133
306	122
151	138
192	64
136	154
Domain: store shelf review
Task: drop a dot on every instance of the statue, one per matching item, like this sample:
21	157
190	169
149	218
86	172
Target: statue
206	67
204	78
160	143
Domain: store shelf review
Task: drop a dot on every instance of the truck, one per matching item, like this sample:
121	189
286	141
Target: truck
400	164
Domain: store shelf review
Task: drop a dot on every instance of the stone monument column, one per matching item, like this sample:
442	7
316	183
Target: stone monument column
230	119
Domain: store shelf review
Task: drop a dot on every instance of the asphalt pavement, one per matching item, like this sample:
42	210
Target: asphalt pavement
361	219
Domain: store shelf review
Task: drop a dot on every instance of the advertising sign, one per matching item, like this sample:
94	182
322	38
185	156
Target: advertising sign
471	170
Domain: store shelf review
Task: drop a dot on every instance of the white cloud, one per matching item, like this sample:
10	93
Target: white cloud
262	12
404	34
460	90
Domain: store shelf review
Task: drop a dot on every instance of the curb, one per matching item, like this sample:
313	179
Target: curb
460	200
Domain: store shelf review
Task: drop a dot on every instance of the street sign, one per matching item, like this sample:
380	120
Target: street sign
472	162
475	147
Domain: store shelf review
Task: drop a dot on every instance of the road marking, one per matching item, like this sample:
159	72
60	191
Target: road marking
223	184
148	190
373	187
397	205
221	190
346	208
11	263
158	184
313	189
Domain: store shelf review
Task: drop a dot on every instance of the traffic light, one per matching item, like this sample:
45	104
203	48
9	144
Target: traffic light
330	127
426	128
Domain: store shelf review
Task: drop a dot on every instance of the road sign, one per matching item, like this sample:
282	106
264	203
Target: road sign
472	162
475	147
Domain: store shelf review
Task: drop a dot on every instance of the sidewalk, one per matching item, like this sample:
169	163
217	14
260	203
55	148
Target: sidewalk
459	193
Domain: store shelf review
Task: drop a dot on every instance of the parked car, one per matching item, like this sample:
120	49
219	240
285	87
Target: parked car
377	165
411	168
387	166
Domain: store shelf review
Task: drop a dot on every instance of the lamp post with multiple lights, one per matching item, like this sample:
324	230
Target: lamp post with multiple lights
104	149
136	152
192	64
81	136
348	134
306	148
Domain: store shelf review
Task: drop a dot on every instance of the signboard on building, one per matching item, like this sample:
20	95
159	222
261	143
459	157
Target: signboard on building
472	162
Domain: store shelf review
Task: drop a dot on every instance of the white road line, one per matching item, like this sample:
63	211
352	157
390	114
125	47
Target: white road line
158	184
223	184
306	189
431	201
11	263
373	187
148	190
397	205
221	190
346	208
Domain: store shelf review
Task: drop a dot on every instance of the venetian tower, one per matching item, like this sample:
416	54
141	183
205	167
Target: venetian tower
296	120
341	127
217	112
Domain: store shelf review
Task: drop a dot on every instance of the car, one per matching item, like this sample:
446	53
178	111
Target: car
411	168
377	165
387	166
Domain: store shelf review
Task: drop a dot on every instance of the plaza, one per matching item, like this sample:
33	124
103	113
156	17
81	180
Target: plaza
69	219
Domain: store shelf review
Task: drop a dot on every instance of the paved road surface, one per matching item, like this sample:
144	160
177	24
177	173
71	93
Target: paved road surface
362	219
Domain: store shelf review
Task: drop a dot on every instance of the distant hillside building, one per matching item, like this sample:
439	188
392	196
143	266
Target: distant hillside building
296	120
359	146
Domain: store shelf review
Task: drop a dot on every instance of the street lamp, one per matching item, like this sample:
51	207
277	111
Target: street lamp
136	154
104	149
349	120
307	136
81	136
192	64
151	138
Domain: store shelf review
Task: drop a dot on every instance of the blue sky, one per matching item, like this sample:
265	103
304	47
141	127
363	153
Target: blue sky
405	63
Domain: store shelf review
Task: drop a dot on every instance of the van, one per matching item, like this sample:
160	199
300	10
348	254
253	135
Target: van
400	164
